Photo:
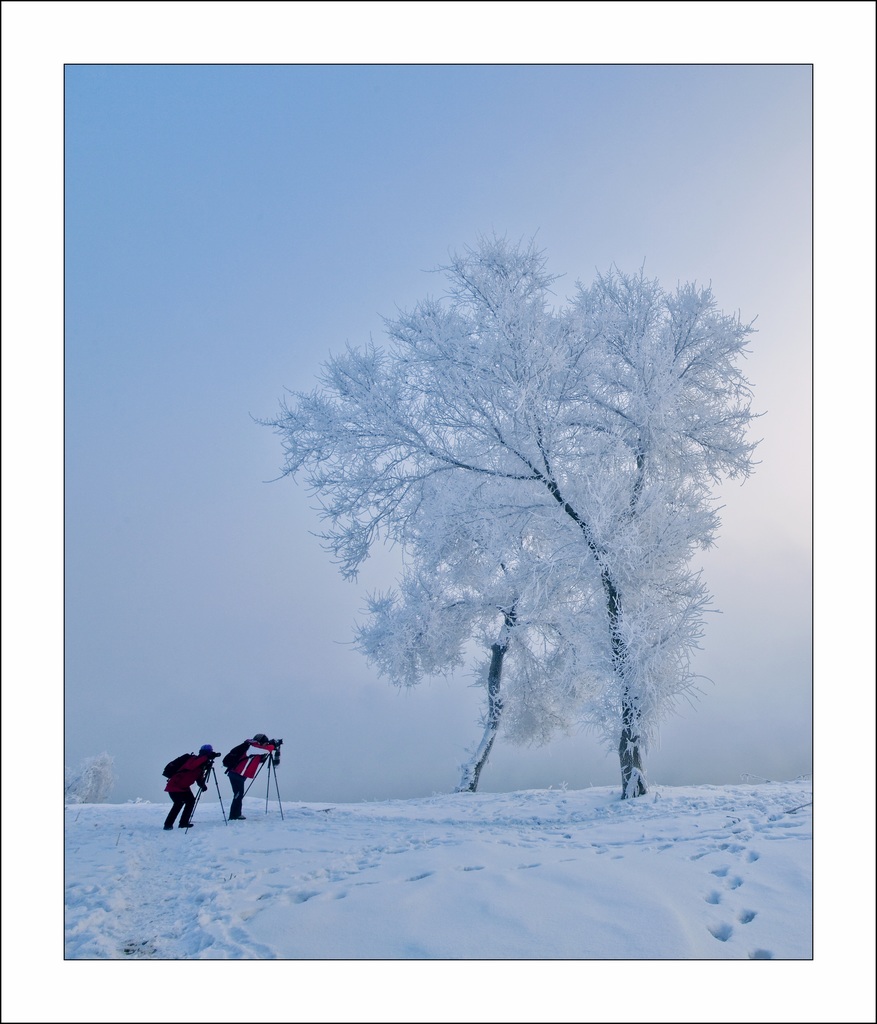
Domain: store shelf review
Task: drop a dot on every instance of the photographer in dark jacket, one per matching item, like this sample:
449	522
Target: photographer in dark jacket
241	766
179	786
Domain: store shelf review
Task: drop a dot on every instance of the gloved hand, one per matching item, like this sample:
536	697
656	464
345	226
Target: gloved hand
202	786
263	758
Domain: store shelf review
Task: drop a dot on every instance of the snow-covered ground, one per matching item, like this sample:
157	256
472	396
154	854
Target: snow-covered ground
708	872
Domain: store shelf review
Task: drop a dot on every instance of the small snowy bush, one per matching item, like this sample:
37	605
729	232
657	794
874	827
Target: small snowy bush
90	783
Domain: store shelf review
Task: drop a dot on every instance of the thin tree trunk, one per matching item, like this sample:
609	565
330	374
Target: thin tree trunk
472	769
633	782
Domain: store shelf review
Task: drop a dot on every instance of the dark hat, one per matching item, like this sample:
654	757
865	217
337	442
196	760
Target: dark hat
206	749
260	737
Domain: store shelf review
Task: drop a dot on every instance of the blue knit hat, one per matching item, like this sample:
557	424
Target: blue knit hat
206	749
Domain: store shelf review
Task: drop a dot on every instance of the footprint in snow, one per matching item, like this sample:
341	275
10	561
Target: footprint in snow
722	932
139	949
303	897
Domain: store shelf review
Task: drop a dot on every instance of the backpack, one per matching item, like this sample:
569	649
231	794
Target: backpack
233	757
172	767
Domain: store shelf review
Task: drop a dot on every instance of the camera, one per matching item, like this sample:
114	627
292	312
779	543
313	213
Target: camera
277	744
212	756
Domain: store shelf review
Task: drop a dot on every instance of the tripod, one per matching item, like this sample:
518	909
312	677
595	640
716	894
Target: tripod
210	770
272	763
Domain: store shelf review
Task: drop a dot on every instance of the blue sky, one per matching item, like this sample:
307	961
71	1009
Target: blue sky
228	227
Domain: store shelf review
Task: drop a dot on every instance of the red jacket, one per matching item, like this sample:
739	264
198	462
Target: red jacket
249	763
192	771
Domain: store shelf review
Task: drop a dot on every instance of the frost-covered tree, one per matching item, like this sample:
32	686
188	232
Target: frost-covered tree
527	612
606	422
90	783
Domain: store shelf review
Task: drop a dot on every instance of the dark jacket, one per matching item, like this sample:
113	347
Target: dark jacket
192	771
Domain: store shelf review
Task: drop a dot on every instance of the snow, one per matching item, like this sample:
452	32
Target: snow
708	872
705	873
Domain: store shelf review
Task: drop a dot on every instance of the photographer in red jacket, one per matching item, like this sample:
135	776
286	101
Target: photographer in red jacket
179	786
240	766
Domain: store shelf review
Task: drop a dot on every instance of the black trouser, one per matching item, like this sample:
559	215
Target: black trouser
184	799
238	782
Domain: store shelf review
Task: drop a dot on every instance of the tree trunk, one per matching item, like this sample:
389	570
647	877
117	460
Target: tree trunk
633	781
472	769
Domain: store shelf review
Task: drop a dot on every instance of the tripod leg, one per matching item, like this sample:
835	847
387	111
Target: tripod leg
216	783
277	789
